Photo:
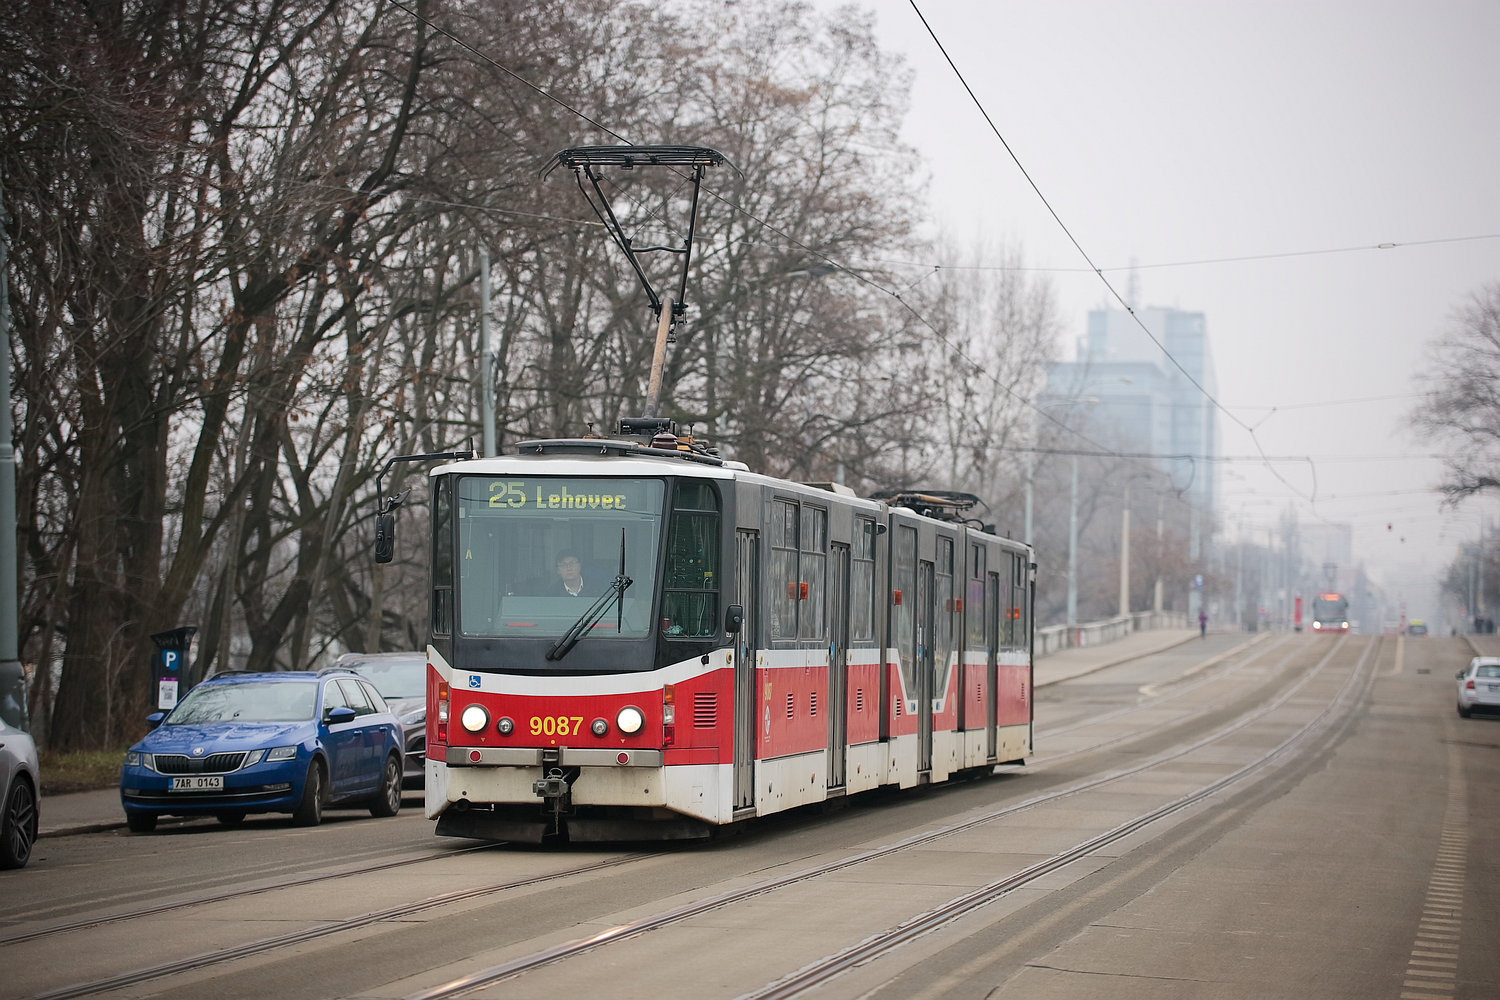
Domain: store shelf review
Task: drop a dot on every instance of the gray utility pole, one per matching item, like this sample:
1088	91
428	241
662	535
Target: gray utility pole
1125	555
9	642
487	359
1073	549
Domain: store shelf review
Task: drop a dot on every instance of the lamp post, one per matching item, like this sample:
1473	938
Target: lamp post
1073	549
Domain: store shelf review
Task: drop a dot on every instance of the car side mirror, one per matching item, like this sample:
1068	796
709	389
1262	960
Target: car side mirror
154	719
734	619
341	714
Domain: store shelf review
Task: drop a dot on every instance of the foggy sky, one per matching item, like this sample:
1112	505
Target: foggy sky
1164	133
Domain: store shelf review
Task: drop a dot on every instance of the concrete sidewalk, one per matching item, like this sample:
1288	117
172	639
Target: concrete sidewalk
1066	664
91	812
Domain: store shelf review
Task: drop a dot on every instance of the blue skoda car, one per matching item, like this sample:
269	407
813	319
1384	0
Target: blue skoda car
240	743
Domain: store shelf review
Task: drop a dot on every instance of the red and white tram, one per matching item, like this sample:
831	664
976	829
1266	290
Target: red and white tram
742	645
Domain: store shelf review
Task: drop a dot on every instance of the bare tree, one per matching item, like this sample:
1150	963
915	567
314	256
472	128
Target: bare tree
1463	396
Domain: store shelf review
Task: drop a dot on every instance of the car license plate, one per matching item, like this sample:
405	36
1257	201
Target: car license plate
199	783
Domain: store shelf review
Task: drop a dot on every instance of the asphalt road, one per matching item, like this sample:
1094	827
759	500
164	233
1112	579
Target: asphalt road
1360	859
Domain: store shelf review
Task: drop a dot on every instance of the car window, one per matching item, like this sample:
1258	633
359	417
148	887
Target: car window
333	697
268	701
13	696
356	696
1488	671
374	696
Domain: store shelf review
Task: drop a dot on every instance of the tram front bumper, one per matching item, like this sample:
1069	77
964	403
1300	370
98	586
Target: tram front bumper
566	757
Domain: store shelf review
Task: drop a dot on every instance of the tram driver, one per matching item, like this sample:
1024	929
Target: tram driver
569	575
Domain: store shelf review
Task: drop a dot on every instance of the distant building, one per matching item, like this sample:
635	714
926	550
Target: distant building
1138	400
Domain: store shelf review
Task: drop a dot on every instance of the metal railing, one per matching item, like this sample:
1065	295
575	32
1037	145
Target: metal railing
1056	637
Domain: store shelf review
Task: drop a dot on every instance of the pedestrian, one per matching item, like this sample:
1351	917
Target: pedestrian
1202	624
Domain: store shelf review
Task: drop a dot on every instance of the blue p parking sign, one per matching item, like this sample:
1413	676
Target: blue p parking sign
170	665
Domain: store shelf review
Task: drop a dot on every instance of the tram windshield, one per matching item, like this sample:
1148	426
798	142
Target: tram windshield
535	553
1330	608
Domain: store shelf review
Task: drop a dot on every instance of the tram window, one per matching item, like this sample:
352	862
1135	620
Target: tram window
994	627
943	630
974	599
510	533
442	556
690	601
862	582
781	578
812	568
904	581
1020	604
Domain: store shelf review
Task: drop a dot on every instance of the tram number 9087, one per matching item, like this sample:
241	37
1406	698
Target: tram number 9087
556	725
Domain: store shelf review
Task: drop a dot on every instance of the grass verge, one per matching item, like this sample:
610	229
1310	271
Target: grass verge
80	770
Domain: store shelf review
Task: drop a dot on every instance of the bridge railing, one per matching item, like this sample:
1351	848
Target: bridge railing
1056	637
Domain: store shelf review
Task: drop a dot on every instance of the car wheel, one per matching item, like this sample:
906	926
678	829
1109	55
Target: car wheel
230	818
1464	712
18	825
387	802
309	811
140	822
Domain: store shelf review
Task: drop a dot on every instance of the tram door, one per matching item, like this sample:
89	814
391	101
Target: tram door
924	664
838	661
992	644
747	584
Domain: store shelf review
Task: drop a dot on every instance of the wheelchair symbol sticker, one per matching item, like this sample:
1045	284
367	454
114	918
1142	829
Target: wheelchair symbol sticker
473	680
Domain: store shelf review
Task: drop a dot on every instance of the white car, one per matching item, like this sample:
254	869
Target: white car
1479	685
20	777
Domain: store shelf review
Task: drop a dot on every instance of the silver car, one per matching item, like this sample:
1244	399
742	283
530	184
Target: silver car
19	769
1479	686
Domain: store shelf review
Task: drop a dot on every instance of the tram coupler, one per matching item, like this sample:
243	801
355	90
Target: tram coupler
553	786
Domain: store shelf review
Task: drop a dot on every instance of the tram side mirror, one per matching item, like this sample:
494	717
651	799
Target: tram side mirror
734	619
385	537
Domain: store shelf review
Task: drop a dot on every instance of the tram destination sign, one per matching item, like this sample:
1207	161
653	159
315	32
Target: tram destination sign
583	496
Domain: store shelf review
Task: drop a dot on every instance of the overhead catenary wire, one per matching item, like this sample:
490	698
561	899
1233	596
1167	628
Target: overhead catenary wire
1129	309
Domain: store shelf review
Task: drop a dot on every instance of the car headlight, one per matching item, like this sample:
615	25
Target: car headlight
415	717
474	719
253	757
630	720
132	758
281	753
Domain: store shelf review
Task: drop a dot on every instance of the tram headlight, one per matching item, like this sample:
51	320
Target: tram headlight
599	727
474	718
505	726
630	720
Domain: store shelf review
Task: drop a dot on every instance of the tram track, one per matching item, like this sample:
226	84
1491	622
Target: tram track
159	909
925	922
199	962
677	915
1152	703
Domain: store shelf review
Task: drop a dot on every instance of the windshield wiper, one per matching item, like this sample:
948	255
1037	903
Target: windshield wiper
595	611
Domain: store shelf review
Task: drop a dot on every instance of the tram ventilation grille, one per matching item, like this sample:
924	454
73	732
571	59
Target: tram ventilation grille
859	699
791	705
813	703
899	707
217	763
705	709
